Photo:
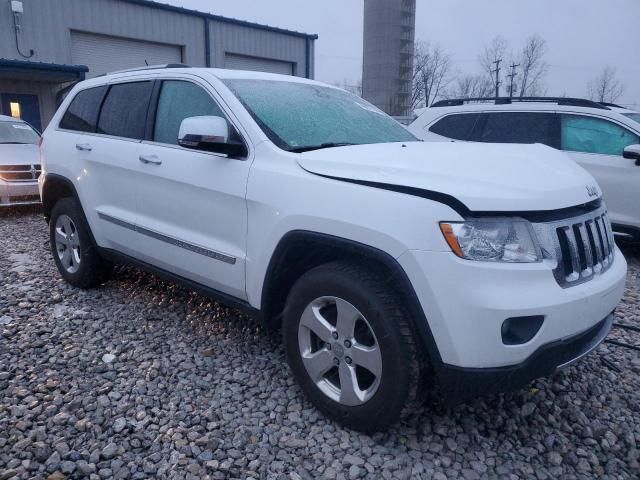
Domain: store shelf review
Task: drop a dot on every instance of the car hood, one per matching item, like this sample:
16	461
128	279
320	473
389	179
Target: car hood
19	154
484	177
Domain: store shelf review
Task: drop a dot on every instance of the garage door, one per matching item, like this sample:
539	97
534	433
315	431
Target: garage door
257	64
103	54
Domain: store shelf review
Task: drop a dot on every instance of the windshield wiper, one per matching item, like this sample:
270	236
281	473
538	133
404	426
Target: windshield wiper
14	143
308	148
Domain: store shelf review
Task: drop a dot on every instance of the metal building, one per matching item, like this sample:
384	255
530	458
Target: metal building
389	33
46	45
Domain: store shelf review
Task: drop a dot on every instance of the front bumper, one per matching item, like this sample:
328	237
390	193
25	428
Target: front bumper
462	384
19	193
466	303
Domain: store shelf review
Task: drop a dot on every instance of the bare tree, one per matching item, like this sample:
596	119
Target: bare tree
431	74
605	87
471	86
533	67
492	53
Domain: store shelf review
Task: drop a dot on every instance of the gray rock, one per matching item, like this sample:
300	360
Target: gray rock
67	467
108	358
119	424
109	451
528	409
352	460
7	474
86	468
555	458
354	472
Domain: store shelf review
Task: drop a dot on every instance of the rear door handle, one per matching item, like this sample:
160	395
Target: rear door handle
153	159
84	147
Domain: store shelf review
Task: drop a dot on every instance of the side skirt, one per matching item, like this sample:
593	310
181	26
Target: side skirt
229	300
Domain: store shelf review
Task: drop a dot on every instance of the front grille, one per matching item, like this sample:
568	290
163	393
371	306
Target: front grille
582	246
20	173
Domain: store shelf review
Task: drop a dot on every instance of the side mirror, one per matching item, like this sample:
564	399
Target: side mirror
210	134
632	152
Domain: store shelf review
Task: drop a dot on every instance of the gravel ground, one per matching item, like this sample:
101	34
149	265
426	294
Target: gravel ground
140	378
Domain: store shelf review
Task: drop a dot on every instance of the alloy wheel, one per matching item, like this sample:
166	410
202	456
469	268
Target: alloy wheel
340	351
67	243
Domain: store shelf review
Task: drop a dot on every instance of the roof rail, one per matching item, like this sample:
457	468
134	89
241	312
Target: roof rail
565	101
150	67
609	104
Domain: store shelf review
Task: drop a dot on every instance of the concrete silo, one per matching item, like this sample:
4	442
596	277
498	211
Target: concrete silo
389	32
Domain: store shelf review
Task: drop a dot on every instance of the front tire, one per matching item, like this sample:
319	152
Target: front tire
73	251
350	346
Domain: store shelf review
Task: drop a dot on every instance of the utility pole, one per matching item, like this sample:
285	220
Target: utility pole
497	72
512	75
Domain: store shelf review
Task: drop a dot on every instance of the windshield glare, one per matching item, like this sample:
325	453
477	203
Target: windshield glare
17	132
298	115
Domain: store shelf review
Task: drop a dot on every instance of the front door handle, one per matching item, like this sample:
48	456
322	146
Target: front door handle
150	159
84	147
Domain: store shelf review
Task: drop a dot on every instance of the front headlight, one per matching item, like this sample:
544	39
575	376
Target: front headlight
493	240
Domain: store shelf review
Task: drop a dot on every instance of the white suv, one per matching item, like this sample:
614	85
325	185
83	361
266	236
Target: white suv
602	138
388	261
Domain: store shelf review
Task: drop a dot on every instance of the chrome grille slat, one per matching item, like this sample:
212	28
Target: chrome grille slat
594	241
582	246
603	245
586	248
573	251
20	173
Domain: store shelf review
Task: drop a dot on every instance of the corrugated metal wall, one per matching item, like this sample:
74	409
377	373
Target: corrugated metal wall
47	26
235	39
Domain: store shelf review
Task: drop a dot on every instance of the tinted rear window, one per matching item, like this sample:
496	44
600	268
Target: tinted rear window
124	111
457	126
82	114
521	127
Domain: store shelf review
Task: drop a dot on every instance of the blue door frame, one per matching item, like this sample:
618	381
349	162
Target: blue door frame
29	107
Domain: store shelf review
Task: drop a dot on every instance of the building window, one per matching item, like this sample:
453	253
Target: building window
14	107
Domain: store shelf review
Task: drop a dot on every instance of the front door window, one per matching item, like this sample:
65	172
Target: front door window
595	135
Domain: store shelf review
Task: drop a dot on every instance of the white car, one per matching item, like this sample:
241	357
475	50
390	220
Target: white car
602	138
19	163
387	260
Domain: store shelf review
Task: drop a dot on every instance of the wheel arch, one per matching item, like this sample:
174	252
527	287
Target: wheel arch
299	251
54	188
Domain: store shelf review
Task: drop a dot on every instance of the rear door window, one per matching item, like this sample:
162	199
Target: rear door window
82	114
458	126
124	111
595	135
521	127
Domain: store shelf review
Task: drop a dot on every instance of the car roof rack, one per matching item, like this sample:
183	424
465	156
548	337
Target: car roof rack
565	101
609	104
149	67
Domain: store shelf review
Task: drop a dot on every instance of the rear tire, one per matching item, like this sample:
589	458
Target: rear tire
350	345
72	247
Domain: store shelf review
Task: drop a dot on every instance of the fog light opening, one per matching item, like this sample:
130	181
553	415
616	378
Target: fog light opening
519	330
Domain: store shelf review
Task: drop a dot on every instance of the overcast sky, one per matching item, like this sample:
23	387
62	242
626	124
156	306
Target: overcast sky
583	36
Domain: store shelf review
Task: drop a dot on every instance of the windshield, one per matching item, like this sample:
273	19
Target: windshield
301	116
633	116
17	132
